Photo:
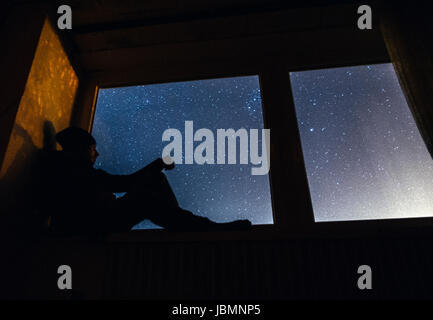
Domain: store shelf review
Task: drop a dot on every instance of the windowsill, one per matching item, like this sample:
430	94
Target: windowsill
395	228
257	232
367	229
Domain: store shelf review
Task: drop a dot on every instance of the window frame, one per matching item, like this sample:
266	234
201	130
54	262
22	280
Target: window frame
264	230
356	227
290	196
262	226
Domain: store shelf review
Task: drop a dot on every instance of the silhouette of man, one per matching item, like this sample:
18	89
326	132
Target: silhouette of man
84	203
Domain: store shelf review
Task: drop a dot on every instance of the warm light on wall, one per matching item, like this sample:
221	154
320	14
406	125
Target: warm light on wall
48	97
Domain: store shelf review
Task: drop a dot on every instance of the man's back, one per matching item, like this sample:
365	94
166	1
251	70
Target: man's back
74	199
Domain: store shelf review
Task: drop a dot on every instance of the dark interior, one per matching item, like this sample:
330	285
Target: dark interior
119	43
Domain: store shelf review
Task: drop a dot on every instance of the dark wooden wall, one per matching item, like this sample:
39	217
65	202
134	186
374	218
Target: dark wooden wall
314	268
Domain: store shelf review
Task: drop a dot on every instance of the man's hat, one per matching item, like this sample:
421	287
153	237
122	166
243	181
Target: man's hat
75	139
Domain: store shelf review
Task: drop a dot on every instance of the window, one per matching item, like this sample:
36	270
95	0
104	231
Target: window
364	156
129	123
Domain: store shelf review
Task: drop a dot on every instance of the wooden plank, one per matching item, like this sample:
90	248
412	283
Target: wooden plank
319	47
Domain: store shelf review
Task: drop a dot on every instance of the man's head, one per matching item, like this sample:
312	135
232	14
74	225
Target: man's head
77	140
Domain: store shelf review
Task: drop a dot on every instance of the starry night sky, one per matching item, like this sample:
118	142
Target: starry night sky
364	156
128	127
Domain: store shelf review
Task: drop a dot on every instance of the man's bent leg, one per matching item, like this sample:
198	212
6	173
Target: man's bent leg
156	191
155	200
145	199
181	220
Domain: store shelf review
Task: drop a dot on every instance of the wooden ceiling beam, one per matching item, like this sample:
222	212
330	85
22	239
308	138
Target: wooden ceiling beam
295	51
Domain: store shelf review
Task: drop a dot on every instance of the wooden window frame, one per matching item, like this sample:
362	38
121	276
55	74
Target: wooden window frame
291	203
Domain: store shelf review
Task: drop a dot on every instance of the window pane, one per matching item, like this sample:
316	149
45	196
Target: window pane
364	156
129	123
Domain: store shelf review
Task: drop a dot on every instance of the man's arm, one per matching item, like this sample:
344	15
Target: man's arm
148	171
121	183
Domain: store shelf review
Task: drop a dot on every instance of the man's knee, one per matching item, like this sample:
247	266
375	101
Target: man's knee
162	177
161	182
149	185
